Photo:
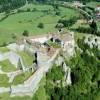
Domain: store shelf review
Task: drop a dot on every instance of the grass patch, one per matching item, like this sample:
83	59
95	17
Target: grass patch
79	35
4	81
7	66
27	59
19	79
4	49
54	45
6	96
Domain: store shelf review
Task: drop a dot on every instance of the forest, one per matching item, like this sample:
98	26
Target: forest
85	76
6	5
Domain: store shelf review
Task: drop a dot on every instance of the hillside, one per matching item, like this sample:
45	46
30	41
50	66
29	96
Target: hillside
16	23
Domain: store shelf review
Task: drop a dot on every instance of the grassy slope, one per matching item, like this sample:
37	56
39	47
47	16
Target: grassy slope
4	49
6	96
4	81
6	66
17	23
40	93
26	58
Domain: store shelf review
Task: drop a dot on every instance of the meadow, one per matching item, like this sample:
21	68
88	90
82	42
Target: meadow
18	22
15	25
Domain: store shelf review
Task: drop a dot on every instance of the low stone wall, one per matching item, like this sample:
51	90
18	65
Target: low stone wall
15	47
31	85
4	89
11	56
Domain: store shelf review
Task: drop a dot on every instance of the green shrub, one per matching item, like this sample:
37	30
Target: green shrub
59	26
40	25
14	36
28	10
25	33
57	13
34	9
4	44
20	10
68	22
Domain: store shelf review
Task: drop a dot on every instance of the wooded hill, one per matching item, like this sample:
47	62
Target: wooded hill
6	5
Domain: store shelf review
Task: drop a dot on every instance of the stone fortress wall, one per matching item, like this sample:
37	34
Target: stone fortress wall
31	85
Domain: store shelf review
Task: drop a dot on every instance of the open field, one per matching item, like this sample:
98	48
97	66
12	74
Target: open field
6	66
17	23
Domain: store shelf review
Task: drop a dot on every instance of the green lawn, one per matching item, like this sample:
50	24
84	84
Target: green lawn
6	96
7	66
4	81
17	23
27	59
19	79
4	49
